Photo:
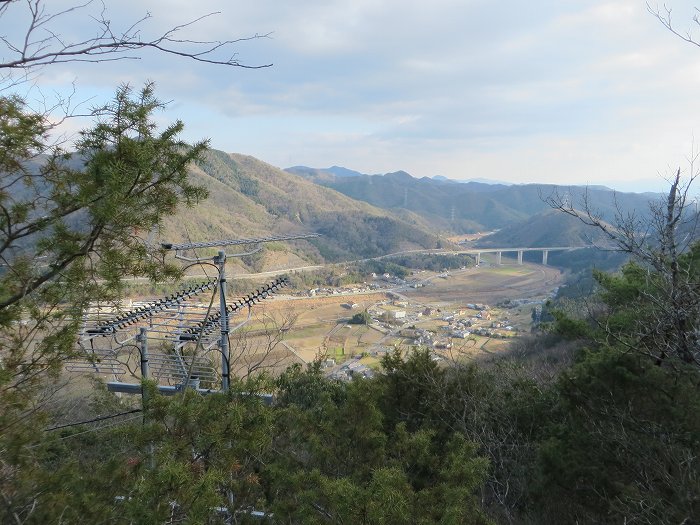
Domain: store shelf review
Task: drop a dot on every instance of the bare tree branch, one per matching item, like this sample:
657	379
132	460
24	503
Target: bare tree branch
659	244
42	45
663	15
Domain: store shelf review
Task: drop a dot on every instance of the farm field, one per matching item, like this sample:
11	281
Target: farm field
456	313
320	325
489	284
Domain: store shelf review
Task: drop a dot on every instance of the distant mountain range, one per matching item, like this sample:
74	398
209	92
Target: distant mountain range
470	206
548	228
362	216
483	181
339	171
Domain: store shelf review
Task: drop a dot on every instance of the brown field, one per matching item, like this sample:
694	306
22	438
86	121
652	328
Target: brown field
288	330
489	285
320	327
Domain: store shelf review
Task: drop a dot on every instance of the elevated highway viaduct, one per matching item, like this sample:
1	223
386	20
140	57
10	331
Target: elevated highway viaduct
477	252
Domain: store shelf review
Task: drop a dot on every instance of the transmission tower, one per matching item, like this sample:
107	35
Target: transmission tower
566	201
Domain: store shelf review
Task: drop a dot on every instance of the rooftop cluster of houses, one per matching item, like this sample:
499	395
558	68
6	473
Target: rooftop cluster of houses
345	290
351	370
473	319
388	278
477	306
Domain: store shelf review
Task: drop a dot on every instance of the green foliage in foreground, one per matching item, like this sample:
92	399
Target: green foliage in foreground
325	452
69	226
612	436
624	443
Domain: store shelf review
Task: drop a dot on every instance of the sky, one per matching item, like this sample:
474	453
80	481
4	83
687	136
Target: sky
550	91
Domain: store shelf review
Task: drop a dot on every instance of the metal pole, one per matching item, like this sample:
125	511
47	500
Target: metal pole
223	343
143	339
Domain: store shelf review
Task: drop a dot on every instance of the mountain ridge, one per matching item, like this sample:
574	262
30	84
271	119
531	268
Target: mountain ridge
249	197
473	206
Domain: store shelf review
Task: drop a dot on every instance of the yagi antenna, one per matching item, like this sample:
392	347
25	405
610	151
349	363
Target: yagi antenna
183	247
149	310
207	325
176	366
224	309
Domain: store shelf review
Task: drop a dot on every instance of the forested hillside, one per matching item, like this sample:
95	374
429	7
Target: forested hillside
471	207
248	198
548	228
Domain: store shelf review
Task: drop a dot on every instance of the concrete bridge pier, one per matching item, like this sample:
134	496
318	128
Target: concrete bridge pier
545	254
498	257
520	257
478	258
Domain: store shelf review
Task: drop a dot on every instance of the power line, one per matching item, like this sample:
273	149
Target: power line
235	242
94	420
96	429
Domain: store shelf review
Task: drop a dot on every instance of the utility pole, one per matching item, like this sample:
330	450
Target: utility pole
142	338
220	261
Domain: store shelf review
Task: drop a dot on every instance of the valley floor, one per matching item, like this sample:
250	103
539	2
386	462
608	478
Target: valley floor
457	314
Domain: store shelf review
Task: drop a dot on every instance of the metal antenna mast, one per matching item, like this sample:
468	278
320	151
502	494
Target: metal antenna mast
220	261
175	320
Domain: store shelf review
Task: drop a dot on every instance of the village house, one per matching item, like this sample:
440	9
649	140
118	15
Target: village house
391	313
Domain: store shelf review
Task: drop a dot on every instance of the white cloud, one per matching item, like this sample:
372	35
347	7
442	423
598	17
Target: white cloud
544	90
